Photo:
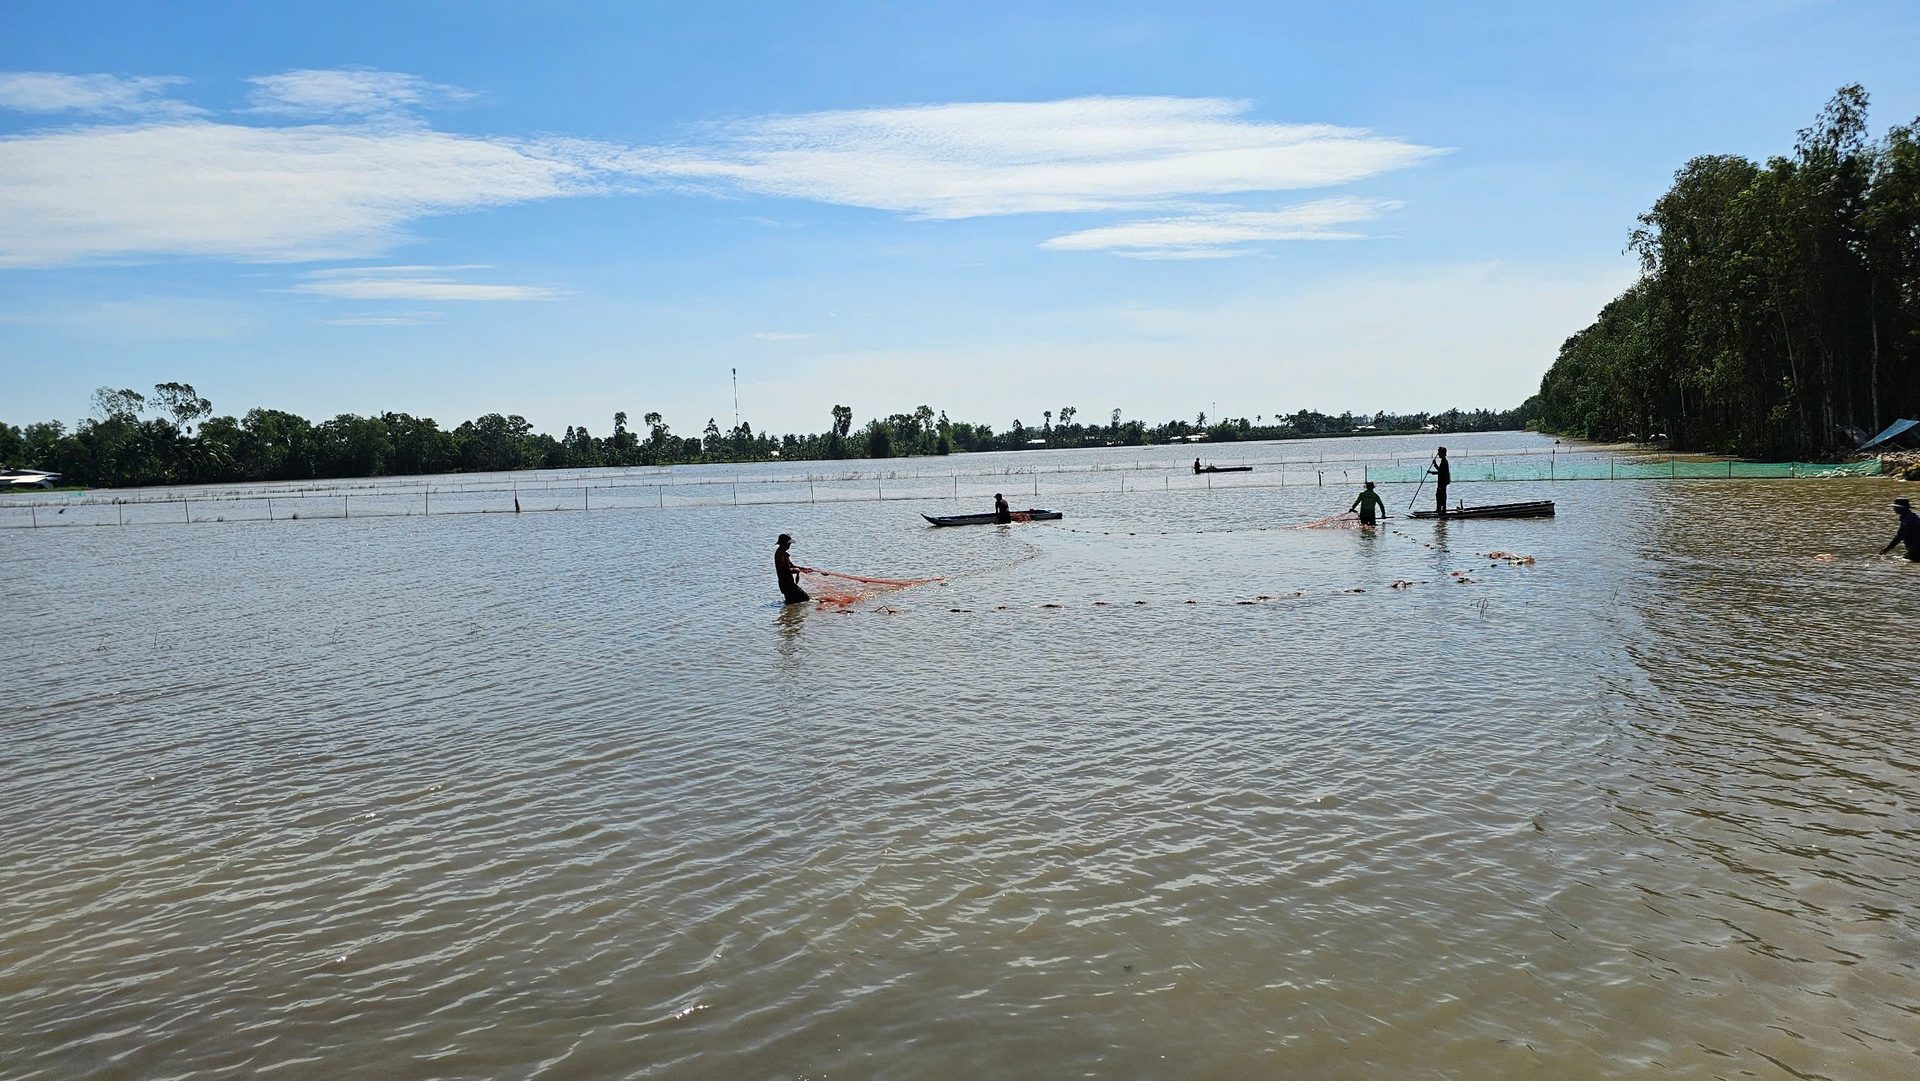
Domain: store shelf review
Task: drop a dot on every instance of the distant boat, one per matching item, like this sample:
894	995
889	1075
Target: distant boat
1542	508
1224	469
1033	514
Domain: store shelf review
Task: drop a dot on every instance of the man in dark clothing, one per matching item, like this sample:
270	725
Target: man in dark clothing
1909	531
1442	476
1368	504
1002	514
783	571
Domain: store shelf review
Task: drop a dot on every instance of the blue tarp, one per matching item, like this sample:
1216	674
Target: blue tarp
1893	429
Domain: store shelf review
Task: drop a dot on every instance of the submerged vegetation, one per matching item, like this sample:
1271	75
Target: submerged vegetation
1778	311
172	437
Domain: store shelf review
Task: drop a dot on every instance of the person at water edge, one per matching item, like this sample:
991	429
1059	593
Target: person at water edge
1909	531
1369	505
1442	476
1196	465
784	570
1002	513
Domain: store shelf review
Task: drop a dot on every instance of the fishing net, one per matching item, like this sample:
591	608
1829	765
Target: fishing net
1348	520
833	589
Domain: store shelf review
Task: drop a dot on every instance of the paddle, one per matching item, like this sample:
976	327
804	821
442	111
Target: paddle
1422	484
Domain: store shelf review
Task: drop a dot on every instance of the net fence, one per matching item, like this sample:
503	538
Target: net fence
386	497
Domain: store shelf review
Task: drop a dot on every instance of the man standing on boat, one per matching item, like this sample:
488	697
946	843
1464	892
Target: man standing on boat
1002	514
1442	475
784	571
1909	531
1368	504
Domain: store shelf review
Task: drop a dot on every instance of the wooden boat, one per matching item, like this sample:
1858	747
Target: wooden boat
1539	508
1224	469
1034	514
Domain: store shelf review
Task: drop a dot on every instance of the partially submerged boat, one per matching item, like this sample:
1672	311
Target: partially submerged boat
1224	469
1033	514
1539	508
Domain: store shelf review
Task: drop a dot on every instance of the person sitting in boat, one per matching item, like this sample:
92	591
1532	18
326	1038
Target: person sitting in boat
1002	514
1909	531
1369	505
784	570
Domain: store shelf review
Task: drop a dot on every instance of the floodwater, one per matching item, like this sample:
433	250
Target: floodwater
1160	790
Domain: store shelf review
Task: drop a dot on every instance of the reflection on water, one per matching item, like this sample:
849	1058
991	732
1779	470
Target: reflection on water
564	796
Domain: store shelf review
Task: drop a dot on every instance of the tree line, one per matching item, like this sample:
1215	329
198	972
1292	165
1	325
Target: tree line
1778	309
172	437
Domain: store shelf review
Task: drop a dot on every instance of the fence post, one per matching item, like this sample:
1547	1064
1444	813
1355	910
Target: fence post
809	490
186	513
34	515
269	510
586	499
345	511
426	497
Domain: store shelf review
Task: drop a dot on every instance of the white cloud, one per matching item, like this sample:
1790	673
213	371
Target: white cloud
1081	154
414	283
51	92
398	319
349	92
259	194
1215	233
349	189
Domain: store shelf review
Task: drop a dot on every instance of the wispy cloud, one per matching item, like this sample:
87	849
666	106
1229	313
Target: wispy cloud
1221	233
780	336
157	182
1082	154
259	194
398	319
51	92
414	283
350	93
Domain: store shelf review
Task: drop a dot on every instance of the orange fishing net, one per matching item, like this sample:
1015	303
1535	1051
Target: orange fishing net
1349	520
833	589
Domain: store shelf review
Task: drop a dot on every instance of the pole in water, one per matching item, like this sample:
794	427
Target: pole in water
121	510
269	511
188	514
345	512
33	515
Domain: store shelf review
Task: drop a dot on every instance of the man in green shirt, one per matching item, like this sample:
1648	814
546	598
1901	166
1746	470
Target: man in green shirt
1368	504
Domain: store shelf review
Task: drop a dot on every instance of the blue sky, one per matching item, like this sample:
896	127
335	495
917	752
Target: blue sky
567	209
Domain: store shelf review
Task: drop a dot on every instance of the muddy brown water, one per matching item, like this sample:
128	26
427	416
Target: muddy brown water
563	795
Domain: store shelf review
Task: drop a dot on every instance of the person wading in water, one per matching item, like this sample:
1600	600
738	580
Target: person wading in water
784	568
1909	531
1442	475
1368	504
1002	514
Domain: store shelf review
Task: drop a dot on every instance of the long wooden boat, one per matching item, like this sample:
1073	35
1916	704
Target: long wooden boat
1031	515
1539	508
1224	469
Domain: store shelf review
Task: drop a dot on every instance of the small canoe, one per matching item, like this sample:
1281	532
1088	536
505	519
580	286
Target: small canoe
1539	508
1032	515
1224	469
